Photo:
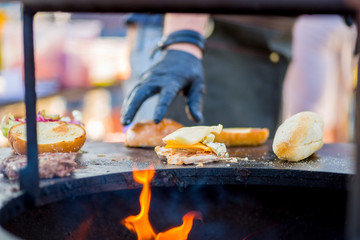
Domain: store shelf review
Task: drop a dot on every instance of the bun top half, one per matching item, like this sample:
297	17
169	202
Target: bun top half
299	136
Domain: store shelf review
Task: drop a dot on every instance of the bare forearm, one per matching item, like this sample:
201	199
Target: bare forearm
180	21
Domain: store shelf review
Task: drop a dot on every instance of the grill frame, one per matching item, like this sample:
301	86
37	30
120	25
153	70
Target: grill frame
29	177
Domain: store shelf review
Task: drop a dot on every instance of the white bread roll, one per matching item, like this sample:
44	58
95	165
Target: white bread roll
299	136
232	137
54	136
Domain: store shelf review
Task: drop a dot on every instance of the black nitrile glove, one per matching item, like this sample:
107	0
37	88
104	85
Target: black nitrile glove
176	71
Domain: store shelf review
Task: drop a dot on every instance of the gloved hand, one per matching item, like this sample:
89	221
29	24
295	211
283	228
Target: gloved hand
175	72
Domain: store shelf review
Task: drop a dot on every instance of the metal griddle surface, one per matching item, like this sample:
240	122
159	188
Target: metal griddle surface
102	158
109	166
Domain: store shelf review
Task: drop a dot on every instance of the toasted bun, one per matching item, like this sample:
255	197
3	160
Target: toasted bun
242	136
150	134
52	137
299	136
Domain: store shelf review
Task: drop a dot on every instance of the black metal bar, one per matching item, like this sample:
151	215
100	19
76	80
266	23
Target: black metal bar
29	176
353	211
274	7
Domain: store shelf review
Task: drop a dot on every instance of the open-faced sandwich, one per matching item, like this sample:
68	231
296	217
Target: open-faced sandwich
59	140
192	145
55	134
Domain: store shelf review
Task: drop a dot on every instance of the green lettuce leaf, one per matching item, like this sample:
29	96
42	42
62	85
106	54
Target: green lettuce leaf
7	122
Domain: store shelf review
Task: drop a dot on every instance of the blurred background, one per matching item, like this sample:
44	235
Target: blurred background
82	61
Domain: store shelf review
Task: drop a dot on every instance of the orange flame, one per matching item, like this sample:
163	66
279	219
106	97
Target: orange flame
140	223
181	232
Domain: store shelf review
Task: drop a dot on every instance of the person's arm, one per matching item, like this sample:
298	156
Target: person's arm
179	69
180	21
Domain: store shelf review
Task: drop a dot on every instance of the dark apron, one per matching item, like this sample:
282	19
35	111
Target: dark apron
244	86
